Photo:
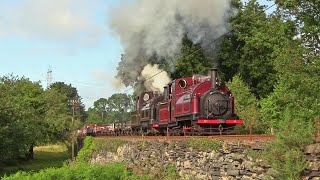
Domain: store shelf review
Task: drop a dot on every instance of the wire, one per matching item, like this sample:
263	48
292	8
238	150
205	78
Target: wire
192	53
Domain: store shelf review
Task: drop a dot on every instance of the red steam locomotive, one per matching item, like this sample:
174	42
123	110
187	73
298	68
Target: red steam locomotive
189	106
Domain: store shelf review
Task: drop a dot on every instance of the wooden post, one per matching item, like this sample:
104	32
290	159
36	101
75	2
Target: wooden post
74	104
317	128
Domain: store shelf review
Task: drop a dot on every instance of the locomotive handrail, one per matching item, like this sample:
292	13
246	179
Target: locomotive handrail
163	103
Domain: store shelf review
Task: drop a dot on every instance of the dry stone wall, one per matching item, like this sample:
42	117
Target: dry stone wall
230	160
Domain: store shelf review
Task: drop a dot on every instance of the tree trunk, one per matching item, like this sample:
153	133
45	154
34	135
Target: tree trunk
30	153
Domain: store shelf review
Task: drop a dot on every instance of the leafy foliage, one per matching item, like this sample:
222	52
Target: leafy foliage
95	117
306	15
81	171
114	109
298	87
71	93
250	51
30	116
246	104
85	153
191	61
285	154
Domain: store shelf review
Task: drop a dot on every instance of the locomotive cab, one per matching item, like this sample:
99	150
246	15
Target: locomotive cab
143	117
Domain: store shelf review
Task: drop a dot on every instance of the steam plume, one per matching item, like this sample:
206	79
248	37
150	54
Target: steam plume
156	83
155	28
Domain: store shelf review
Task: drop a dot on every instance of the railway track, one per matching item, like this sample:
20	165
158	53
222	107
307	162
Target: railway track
260	137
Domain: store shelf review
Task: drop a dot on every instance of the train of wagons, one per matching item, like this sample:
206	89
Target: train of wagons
187	106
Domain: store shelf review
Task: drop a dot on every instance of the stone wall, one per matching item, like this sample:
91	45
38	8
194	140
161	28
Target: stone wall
230	160
312	153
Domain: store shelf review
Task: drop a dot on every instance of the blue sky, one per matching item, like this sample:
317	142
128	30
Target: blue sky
70	36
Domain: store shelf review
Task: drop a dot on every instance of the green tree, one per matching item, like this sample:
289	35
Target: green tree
118	107
297	90
306	14
94	117
246	104
24	127
71	93
192	60
29	116
101	106
250	51
56	115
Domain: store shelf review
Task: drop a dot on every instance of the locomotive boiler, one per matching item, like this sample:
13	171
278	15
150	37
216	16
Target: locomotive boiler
191	105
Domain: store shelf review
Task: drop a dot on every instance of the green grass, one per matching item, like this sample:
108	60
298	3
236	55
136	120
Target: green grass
113	171
44	157
204	144
110	145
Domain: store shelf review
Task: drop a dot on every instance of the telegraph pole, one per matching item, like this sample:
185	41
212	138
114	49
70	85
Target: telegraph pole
74	103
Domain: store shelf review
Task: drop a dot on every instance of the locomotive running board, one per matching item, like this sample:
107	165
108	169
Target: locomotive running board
220	121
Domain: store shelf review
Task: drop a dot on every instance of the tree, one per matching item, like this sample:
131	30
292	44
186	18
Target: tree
119	106
246	104
94	117
30	116
71	93
250	51
306	14
56	115
192	60
25	126
297	90
100	106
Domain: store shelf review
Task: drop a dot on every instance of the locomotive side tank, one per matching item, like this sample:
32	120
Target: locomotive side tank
197	105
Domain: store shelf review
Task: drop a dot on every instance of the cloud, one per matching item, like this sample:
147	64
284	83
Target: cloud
54	20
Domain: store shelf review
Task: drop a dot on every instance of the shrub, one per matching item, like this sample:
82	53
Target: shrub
285	154
85	153
79	171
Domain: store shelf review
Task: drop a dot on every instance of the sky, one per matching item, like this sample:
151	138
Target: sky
72	37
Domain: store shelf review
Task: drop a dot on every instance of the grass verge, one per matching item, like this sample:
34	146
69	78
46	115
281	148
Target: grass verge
44	157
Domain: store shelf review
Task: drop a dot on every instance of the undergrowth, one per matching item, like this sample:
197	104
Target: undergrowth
110	145
204	144
79	171
286	153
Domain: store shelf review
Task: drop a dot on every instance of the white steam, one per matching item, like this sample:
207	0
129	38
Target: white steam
157	82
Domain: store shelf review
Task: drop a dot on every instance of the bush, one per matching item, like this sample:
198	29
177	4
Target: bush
79	171
85	153
285	154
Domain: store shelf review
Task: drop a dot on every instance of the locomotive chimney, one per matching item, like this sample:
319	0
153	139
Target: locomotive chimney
214	75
